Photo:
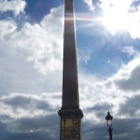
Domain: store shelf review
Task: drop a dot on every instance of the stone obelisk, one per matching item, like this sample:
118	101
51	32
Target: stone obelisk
70	113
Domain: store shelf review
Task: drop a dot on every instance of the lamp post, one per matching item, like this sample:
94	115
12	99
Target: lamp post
109	119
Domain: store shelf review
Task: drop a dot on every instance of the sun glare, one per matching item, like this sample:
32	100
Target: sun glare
115	15
115	22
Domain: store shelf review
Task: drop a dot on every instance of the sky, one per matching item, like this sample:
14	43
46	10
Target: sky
108	52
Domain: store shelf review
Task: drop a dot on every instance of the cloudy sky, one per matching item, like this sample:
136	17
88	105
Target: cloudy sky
31	46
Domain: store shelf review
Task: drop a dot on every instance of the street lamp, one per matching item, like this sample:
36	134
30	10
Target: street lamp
109	119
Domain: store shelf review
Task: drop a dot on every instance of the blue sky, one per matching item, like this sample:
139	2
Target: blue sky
31	47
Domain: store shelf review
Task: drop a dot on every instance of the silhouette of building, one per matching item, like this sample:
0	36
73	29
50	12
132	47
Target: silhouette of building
70	113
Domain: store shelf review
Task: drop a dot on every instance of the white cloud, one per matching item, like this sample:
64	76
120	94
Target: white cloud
130	83
31	60
127	78
134	24
42	42
115	4
18	105
16	6
113	91
131	106
7	27
130	51
90	4
32	65
31	57
41	46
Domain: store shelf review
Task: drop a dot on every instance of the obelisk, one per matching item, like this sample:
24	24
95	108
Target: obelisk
70	113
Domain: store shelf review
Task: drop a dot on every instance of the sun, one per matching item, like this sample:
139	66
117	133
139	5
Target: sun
115	22
116	16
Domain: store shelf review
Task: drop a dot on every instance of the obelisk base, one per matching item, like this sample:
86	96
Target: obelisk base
70	124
